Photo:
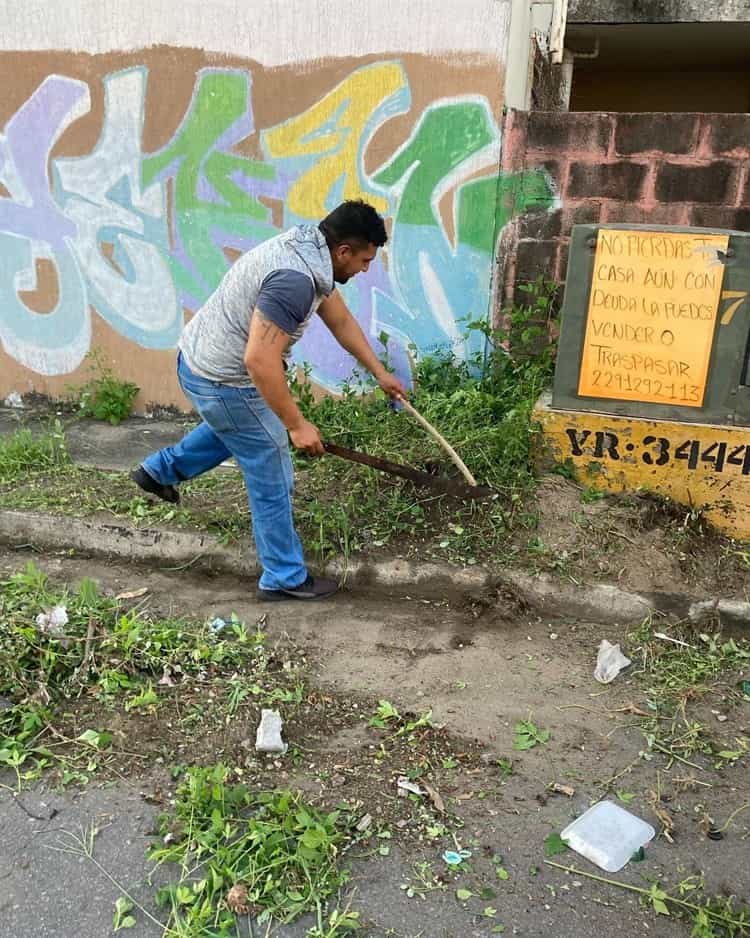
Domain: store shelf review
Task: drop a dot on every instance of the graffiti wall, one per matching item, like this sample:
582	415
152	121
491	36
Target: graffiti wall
129	184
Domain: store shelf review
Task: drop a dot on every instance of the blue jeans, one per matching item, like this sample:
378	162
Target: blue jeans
238	422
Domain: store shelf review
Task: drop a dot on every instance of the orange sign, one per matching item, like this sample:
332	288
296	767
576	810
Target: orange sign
652	316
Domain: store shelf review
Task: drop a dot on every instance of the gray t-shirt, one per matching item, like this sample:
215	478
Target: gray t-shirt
286	278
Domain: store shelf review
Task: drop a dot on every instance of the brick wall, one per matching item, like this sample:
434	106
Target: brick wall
662	169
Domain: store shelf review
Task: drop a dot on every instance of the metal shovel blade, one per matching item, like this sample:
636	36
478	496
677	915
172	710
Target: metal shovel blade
451	486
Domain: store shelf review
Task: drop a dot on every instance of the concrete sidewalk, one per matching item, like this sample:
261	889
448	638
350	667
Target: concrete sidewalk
100	445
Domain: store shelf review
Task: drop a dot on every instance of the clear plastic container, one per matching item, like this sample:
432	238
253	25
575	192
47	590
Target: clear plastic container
608	835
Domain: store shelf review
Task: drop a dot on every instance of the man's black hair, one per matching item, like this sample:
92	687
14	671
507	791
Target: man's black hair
354	222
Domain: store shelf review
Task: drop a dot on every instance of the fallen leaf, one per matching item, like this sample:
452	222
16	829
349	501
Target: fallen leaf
236	899
132	594
563	789
364	823
435	798
664	816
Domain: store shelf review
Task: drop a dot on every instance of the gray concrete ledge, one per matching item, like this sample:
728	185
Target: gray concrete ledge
546	596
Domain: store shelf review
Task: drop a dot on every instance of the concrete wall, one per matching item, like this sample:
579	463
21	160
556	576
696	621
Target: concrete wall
133	174
662	169
658	11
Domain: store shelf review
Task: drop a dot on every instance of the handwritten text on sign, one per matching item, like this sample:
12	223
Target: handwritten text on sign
652	314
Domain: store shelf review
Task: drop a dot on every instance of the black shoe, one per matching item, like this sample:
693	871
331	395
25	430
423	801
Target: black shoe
314	587
167	493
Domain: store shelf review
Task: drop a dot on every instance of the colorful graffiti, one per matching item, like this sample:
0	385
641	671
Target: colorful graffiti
142	237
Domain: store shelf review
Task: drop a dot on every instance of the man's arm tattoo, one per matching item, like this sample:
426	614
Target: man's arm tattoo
270	332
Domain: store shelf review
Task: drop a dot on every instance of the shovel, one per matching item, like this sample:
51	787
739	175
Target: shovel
468	489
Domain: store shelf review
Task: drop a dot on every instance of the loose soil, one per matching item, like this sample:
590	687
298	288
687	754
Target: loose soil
641	542
480	670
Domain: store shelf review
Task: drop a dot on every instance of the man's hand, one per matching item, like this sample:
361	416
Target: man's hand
306	436
391	385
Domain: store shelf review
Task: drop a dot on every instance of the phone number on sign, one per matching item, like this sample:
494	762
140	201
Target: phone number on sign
658	450
670	391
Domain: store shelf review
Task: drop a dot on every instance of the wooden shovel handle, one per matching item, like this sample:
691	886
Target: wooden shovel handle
457	461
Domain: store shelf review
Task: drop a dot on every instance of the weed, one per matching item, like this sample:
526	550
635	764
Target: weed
482	406
81	846
422	882
679	672
591	495
554	844
385	713
282	853
338	925
104	396
388	717
22	453
711	917
88	644
506	767
528	735
122	917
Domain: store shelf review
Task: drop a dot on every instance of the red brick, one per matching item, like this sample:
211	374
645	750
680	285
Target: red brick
627	213
580	213
621	180
729	133
713	182
534	258
555	130
666	133
540	226
718	216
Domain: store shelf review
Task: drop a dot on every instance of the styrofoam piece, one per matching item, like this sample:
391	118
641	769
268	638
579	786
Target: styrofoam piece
608	835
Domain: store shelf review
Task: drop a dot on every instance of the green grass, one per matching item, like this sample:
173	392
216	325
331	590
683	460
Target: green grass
265	852
117	656
483	407
23	453
238	851
682	681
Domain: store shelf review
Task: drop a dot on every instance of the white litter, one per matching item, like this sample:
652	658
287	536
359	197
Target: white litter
676	641
268	737
53	621
14	399
405	787
608	835
609	662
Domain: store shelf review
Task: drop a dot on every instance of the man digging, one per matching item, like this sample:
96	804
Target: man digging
231	365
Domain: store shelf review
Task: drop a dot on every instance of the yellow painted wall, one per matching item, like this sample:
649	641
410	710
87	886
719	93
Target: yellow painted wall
701	466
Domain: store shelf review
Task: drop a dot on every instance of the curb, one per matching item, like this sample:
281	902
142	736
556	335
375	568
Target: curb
544	595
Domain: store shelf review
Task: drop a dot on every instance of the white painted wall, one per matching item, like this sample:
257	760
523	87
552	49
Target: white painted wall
544	19
275	32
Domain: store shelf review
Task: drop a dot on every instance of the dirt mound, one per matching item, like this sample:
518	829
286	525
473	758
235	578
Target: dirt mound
641	541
